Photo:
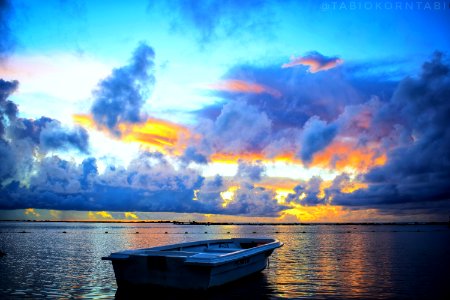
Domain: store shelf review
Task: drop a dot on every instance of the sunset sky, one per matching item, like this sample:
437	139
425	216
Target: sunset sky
275	111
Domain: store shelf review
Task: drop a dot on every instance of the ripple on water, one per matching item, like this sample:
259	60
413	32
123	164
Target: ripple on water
315	262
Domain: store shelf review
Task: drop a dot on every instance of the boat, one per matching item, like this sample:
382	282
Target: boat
196	265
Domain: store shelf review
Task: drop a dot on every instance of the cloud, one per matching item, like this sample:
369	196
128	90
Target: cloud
241	86
54	136
7	165
120	97
193	154
152	133
150	183
25	142
211	20
225	134
325	115
31	212
7	108
417	138
317	135
130	215
303	95
250	171
315	61
104	215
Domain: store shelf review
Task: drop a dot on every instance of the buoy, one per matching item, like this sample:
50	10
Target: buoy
106	231
137	232
2	253
64	232
185	232
165	232
206	231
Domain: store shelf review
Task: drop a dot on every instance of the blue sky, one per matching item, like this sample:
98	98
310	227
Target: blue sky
285	110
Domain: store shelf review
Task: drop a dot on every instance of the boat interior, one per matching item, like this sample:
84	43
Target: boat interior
206	248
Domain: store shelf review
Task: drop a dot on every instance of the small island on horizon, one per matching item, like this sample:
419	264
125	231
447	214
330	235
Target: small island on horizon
232	223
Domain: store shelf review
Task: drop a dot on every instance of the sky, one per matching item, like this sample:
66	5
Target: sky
241	111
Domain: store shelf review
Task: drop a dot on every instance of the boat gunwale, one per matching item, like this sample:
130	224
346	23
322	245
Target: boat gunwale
199	257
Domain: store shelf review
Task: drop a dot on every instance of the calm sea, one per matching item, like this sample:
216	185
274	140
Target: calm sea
63	260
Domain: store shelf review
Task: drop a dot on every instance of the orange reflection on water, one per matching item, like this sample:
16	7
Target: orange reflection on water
329	261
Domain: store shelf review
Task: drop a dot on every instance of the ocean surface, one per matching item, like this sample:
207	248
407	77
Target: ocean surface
63	260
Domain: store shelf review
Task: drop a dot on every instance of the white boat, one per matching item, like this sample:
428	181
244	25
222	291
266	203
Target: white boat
193	265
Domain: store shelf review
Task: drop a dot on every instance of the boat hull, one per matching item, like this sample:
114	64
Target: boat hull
175	273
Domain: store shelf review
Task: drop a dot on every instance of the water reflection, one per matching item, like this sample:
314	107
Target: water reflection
251	287
315	262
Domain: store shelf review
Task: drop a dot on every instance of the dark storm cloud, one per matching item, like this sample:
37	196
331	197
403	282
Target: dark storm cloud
149	184
121	96
306	193
317	135
418	125
54	136
8	110
22	140
27	128
49	134
44	132
7	164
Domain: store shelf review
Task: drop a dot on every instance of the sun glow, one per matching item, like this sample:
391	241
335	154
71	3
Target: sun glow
153	134
322	213
228	195
345	156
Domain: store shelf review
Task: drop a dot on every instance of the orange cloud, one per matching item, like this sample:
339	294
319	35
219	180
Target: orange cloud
228	195
240	86
155	134
352	186
317	213
130	215
315	61
343	155
31	211
104	214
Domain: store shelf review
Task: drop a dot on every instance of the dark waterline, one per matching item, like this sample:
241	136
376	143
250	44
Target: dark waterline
62	260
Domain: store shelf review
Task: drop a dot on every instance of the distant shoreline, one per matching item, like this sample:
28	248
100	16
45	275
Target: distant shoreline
232	223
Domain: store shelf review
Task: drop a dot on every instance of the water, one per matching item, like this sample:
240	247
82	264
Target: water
317	261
